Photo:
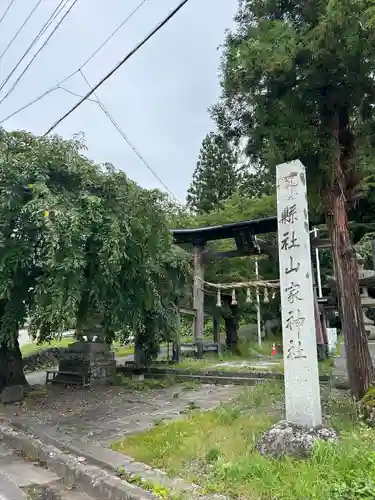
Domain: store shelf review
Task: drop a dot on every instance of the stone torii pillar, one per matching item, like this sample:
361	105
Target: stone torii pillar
198	297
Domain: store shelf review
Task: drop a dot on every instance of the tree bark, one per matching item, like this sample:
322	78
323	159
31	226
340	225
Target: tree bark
139	354
359	364
231	327
11	366
231	331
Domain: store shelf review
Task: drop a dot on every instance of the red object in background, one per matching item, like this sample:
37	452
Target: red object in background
273	352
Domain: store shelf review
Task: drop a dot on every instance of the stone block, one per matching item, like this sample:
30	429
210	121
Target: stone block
286	438
89	347
93	359
12	394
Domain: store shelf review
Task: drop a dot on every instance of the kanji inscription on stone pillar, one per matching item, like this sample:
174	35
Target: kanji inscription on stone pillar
302	391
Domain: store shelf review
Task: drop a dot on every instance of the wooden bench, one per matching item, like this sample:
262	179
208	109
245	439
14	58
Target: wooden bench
83	378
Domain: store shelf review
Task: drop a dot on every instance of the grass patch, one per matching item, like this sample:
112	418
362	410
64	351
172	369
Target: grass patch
212	362
34	348
254	348
249	353
326	366
216	449
122	350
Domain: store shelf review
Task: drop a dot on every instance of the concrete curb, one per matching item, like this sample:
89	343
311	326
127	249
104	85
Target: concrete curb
209	376
208	379
8	490
110	461
93	480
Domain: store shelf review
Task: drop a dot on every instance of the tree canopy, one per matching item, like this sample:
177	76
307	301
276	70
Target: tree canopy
289	67
298	82
79	240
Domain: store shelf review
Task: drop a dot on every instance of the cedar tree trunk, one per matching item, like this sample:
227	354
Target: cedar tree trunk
231	330
359	364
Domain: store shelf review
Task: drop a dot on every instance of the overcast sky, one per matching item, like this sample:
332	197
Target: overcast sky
159	98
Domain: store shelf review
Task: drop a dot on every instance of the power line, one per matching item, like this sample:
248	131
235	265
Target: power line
46	25
55	87
126	138
113	34
30	103
40	49
75	94
124	60
19	30
6	11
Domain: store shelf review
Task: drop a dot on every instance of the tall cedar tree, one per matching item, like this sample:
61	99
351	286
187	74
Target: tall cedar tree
215	178
298	82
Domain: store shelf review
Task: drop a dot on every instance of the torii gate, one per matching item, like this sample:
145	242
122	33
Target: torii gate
245	235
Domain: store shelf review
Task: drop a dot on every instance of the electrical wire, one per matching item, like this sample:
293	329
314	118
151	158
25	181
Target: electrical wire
123	61
55	87
6	11
19	30
75	94
41	32
40	49
113	33
126	138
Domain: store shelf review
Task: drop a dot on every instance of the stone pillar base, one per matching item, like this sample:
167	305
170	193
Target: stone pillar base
92	359
200	350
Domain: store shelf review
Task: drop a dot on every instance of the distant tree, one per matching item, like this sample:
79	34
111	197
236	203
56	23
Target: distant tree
298	82
257	182
216	176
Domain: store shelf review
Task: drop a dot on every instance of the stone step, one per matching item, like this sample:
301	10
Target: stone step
55	492
25	474
64	469
24	478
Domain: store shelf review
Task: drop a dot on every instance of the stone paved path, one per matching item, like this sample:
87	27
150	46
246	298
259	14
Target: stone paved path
19	476
104	415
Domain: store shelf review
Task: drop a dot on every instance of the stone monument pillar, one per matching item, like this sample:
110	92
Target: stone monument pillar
302	391
89	359
303	425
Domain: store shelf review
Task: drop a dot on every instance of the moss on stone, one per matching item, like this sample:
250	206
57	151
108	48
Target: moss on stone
369	398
